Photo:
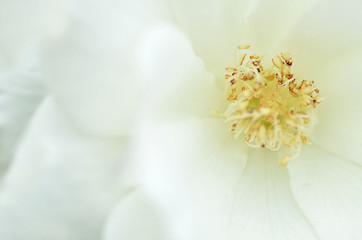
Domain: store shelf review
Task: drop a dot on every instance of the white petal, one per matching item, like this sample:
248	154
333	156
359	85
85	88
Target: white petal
136	218
191	159
191	169
267	22
328	31
180	85
329	191
62	184
20	95
22	21
264	207
214	28
340	115
92	70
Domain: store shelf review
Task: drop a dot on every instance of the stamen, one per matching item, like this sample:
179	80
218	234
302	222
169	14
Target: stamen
269	107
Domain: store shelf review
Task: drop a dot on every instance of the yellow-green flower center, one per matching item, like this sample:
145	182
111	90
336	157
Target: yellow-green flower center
269	107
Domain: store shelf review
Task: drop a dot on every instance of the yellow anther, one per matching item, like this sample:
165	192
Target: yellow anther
216	112
230	69
243	46
286	56
242	59
254	56
305	139
277	62
285	160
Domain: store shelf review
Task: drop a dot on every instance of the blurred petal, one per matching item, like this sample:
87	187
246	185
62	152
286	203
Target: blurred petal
181	87
136	218
329	191
23	21
20	95
92	70
62	184
267	22
193	158
191	170
214	28
340	114
264	207
326	32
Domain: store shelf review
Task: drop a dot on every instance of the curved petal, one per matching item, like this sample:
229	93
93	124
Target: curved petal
21	93
340	115
23	22
136	218
264	207
327	32
92	70
267	22
329	191
214	28
62	184
191	169
181	88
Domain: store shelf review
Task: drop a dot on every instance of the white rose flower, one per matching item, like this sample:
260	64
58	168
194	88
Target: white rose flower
206	184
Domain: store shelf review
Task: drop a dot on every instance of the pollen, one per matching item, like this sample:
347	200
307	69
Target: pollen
269	107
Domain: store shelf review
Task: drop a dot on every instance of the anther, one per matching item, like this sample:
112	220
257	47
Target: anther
285	160
243	46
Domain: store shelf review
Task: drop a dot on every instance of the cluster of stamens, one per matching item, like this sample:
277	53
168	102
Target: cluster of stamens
269	107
